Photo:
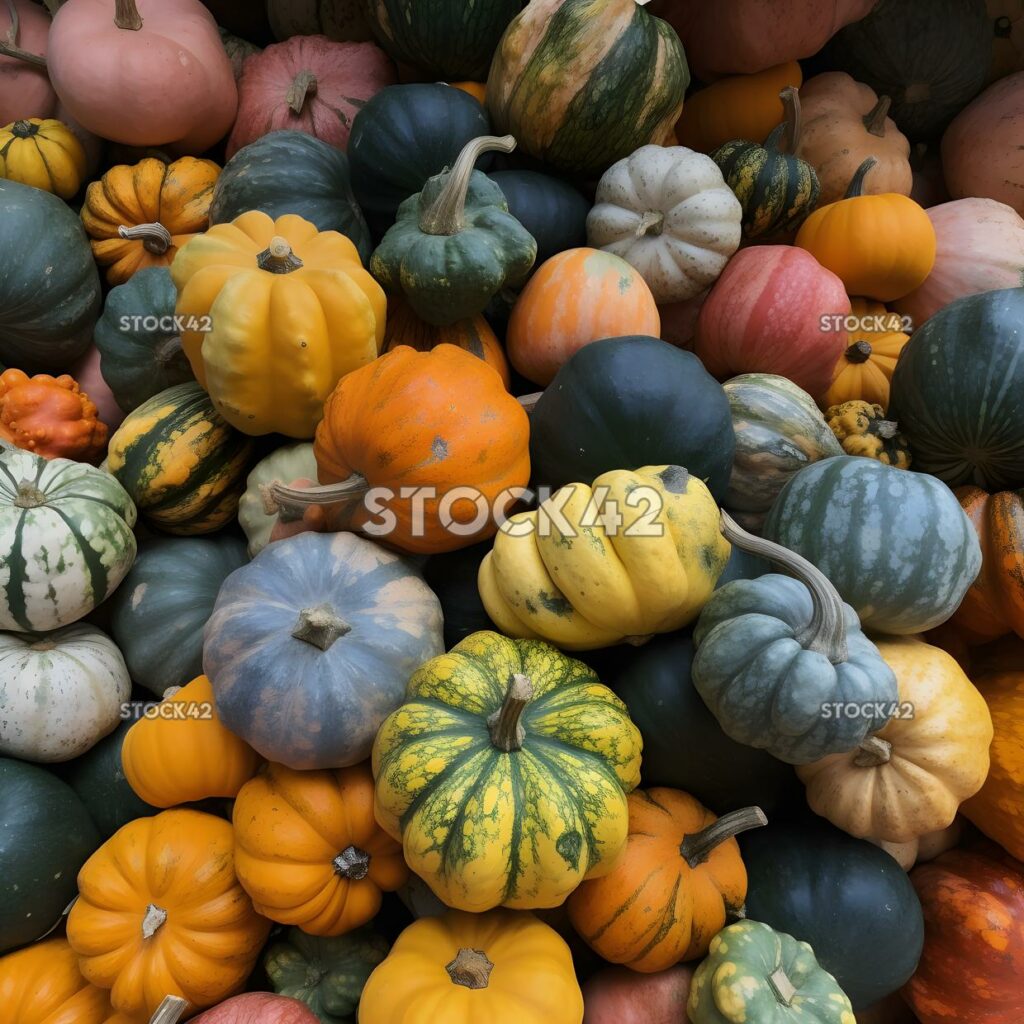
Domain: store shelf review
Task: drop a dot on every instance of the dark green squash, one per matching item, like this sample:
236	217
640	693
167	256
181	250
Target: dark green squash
452	577
49	286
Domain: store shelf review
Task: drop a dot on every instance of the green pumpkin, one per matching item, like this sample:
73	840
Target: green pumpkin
49	286
775	187
291	172
327	974
455	245
140	349
287	464
955	392
896	545
755	973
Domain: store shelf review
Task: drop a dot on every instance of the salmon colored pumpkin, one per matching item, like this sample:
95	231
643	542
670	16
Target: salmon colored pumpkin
617	995
25	89
574	298
257	1008
90	379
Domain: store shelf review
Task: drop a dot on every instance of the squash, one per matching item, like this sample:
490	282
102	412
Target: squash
617	995
296	633
845	122
974	950
343	20
778	430
46	838
237	49
772	311
862	429
320	317
651	557
50	416
978	437
517	760
25	89
454	245
86	371
154	75
775	187
291	172
575	298
881	246
672	889
44	154
667	212
284	465
931	552
49	288
308	851
498	964
160	893
325	973
624	402
309	84
180	461
249	1008
752	969
59	513
923	848
566	81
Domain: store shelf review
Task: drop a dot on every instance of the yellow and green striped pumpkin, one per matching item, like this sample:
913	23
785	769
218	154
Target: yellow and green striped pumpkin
505	774
180	461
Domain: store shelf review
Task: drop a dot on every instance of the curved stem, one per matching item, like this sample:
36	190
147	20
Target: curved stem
873	752
507	732
444	216
292	501
169	1011
126	15
155	237
651	223
697	847
783	988
153	920
470	968
874	119
826	632
857	182
303	86
886	429
320	626
791	135
352	863
167	350
278	257
10	48
858	352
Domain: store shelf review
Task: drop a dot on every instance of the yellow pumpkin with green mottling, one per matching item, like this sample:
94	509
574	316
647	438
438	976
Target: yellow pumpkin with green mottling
504	774
637	552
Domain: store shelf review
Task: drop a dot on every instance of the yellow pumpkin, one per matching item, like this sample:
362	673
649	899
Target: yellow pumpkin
277	313
636	553
862	429
924	848
45	154
910	778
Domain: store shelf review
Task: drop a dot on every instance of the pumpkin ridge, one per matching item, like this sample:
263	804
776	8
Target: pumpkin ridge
454	836
515	865
592	937
442	777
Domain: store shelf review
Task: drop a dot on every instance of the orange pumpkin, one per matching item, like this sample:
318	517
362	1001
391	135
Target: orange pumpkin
478	90
50	416
309	851
669	894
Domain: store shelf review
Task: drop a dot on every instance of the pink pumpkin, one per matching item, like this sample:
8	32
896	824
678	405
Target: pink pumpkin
25	89
775	309
258	1008
87	372
617	995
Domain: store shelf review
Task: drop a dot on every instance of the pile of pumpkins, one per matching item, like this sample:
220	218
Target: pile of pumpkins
494	528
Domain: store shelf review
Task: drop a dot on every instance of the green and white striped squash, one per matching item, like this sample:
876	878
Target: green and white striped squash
66	540
287	464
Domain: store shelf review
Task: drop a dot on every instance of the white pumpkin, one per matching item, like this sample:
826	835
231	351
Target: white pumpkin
60	692
284	465
668	212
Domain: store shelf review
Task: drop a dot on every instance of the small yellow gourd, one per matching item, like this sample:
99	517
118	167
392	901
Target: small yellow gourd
862	429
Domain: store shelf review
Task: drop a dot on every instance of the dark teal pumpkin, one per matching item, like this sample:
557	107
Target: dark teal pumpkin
452	577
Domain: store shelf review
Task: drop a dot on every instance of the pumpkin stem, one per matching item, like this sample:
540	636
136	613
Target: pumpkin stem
874	119
697	847
826	632
24	129
169	1011
167	350
11	47
1003	28
445	215
790	138
153	920
28	495
885	429
783	988
303	86
352	863
857	182
289	501
155	237
873	751
651	223
278	257
320	626
470	968
529	402
858	352
126	15
507	732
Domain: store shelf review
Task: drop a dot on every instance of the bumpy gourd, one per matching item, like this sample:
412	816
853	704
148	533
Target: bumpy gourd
862	429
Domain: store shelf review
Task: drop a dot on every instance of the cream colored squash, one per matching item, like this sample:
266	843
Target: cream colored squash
287	464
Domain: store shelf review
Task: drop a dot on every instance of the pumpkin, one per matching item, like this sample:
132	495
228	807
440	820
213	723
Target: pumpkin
778	430
881	246
160	912
769	312
667	212
154	75
44	154
764	975
845	122
497	964
454	245
180	461
517	760
344	20
291	172
250	1008
575	298
50	416
671	891
650	561
322	317
64	514
923	848
978	437
309	84
566	82
617	995
979	248
283	465
295	636
624	402
931	552
974	948
308	851
25	89
238	50
49	288
46	837
775	187
862	429
325	973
